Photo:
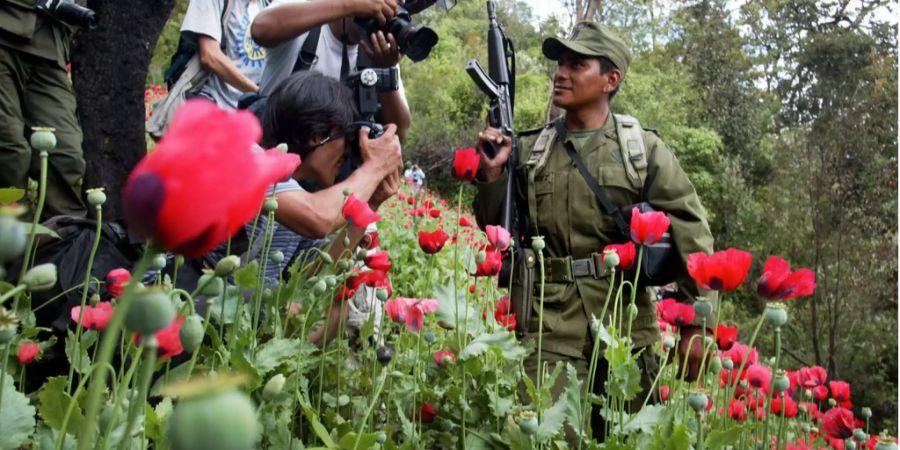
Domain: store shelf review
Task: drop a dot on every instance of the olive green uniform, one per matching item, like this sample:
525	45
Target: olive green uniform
36	92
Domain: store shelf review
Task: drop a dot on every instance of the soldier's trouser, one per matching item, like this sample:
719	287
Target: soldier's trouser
649	365
37	93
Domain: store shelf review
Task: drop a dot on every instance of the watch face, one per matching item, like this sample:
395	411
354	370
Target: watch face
368	77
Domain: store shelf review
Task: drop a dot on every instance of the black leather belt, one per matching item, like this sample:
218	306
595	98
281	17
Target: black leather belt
567	269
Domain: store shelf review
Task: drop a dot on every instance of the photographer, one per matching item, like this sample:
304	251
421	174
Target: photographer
37	92
324	32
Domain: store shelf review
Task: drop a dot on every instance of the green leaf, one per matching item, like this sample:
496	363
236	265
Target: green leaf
574	408
77	352
680	438
275	353
646	420
727	437
552	420
449	306
502	340
40	229
176	374
246	276
241	363
45	439
313	417
157	419
500	405
366	440
16	416
54	401
11	194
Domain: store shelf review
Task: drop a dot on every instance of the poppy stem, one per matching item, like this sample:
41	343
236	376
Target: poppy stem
42	195
84	292
734	383
772	383
634	288
456	270
540	372
148	345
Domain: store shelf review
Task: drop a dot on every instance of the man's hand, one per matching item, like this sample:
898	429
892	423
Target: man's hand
380	10
383	50
383	154
385	190
490	169
691	353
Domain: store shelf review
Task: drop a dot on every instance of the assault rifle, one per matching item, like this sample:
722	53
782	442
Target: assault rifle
500	88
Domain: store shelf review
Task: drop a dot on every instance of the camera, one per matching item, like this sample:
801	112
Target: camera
68	12
414	41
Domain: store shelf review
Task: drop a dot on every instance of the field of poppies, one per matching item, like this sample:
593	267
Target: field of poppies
227	364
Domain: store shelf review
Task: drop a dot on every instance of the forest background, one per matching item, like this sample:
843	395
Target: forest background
782	112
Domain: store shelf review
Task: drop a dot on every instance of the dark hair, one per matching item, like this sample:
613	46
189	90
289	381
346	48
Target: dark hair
605	66
305	105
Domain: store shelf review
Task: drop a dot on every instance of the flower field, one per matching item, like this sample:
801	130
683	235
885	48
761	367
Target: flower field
227	363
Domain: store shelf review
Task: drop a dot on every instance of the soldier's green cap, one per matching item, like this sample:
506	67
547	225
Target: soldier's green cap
591	39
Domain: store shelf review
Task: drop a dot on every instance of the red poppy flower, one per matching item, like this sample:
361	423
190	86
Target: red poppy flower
370	241
498	237
441	354
432	242
428	204
168	339
503	314
790	406
94	317
465	164
410	311
647	228
664	392
358	213
116	280
737	410
721	271
726	336
203	181
759	377
738	352
434	213
410	200
810	377
490	266
778	282
820	393
677	314
626	252
464	221
427	414
28	352
379	261
840	392
838	423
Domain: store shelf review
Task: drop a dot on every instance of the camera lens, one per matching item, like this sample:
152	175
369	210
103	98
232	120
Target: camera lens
77	15
418	42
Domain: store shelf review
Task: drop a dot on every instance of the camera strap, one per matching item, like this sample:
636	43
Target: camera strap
345	54
307	55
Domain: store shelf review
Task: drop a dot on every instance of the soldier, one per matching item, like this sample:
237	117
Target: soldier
561	207
37	92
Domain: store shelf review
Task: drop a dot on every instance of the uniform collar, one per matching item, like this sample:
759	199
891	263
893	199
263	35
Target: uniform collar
607	131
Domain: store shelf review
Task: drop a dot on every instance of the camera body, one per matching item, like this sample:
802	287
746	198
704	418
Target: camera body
415	42
68	12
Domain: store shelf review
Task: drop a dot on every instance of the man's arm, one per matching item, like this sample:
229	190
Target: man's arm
213	59
490	181
283	22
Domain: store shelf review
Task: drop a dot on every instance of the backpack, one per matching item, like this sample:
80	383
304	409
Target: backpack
184	76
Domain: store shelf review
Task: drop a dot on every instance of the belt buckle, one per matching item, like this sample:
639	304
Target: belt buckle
583	267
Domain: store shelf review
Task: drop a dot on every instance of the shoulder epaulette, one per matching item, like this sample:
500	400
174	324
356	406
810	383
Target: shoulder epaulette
534	131
654	131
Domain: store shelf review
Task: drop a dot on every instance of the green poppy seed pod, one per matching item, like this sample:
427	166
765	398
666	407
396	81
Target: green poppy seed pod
343	400
40	278
381	438
159	262
346	241
776	315
632	311
273	387
537	243
270	205
95	298
191	333
429	337
708	341
320	287
860	435
832	402
12	239
7	334
480	257
528	422
344	265
150	312
885	442
282	147
744	384
805	427
849	444
223	421
716	364
227	265
381	294
43	138
703	308
330	281
210	288
96	197
808	393
397	374
611	258
669	342
277	256
781	382
347	192
865	412
360	254
698	401
447	425
727	363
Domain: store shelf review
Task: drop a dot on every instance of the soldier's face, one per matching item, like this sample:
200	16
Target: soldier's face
578	81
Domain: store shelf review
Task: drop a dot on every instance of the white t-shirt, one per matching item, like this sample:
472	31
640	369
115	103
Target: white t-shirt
280	59
205	17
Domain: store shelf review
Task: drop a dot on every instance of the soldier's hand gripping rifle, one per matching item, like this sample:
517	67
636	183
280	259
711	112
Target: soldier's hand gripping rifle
500	88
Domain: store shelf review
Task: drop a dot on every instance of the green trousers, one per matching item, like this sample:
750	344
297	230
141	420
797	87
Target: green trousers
37	92
648	362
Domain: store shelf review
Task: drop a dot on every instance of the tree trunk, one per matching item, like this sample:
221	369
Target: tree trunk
109	72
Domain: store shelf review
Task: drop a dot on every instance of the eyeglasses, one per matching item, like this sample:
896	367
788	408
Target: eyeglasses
328	139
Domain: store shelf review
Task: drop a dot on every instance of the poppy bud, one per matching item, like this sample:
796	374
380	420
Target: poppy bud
270	205
849	444
158	262
273	387
703	308
344	265
698	401
361	254
611	258
776	315
632	311
43	139
528	422
96	197
210	285
277	256
12	239
221	420
669	342
282	147
347	191
480	257
191	333
381	294
860	435
346	241
320	287
716	364
150	312
381	438
537	243
40	277
227	265
832	402
330	281
866	412
728	364
95	298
